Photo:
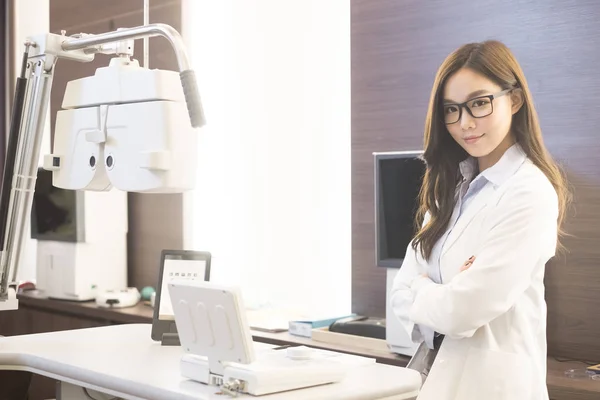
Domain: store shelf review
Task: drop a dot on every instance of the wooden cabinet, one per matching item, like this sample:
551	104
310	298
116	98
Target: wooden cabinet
37	315
30	320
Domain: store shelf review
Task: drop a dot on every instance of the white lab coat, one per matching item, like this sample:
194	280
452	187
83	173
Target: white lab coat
493	314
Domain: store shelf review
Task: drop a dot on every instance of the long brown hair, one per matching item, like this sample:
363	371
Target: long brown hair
442	154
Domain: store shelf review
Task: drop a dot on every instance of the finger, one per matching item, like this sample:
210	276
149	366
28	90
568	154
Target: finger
468	264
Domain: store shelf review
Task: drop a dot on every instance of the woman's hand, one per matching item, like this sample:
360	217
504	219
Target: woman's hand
467	264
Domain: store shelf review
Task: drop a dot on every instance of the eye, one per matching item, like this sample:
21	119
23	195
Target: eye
450	109
479	102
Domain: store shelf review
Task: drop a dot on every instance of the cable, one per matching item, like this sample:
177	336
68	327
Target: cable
561	359
87	394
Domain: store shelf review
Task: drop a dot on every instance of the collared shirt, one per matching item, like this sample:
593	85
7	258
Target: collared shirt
466	191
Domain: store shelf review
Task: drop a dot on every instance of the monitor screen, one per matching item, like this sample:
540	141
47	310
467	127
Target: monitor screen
175	265
398	179
56	214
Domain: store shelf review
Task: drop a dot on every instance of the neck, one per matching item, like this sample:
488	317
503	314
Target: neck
489	160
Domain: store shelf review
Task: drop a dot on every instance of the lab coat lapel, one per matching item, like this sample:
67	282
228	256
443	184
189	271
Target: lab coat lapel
477	204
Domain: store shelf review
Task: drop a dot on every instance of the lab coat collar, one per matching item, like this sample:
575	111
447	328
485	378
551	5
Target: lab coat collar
506	167
498	173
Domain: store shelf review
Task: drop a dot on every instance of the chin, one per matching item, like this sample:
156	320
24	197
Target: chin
477	152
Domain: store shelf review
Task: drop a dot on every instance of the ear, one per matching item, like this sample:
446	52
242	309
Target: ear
517	99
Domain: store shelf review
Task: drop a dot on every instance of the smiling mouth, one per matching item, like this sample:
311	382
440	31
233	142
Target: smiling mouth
473	139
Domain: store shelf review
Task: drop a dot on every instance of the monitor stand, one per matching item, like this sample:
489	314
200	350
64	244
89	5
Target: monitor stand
170	339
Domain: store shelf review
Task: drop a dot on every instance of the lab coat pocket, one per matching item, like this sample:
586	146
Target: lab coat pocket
495	375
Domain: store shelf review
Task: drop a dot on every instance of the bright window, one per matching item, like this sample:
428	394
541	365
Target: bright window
272	202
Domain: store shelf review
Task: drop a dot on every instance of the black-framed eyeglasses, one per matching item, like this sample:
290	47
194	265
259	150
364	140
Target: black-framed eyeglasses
477	107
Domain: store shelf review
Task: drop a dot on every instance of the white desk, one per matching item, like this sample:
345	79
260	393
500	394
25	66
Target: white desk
123	361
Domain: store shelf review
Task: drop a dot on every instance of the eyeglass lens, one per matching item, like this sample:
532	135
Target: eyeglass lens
479	107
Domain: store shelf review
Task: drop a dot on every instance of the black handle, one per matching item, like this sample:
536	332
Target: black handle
11	155
192	98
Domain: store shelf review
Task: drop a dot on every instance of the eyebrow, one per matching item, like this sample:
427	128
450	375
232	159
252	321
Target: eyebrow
470	96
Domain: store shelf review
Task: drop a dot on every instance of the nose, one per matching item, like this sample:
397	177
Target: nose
466	120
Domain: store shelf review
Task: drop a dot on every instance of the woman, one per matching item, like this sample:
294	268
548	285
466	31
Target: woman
492	202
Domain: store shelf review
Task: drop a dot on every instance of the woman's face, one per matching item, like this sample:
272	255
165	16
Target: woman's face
487	131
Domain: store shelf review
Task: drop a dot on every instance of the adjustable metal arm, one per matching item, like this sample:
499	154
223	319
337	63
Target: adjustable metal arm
89	41
188	79
15	208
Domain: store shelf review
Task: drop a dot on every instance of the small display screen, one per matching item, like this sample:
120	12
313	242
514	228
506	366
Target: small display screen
55	211
177	268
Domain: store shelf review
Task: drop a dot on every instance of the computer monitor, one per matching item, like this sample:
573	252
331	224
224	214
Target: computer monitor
398	179
56	214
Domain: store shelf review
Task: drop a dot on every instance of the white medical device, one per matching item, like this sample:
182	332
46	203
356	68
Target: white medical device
118	298
80	252
214	332
126	127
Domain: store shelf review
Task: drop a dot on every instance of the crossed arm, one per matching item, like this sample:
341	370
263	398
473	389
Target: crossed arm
522	234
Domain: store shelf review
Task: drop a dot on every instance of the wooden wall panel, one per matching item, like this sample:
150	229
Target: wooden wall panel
155	220
396	50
